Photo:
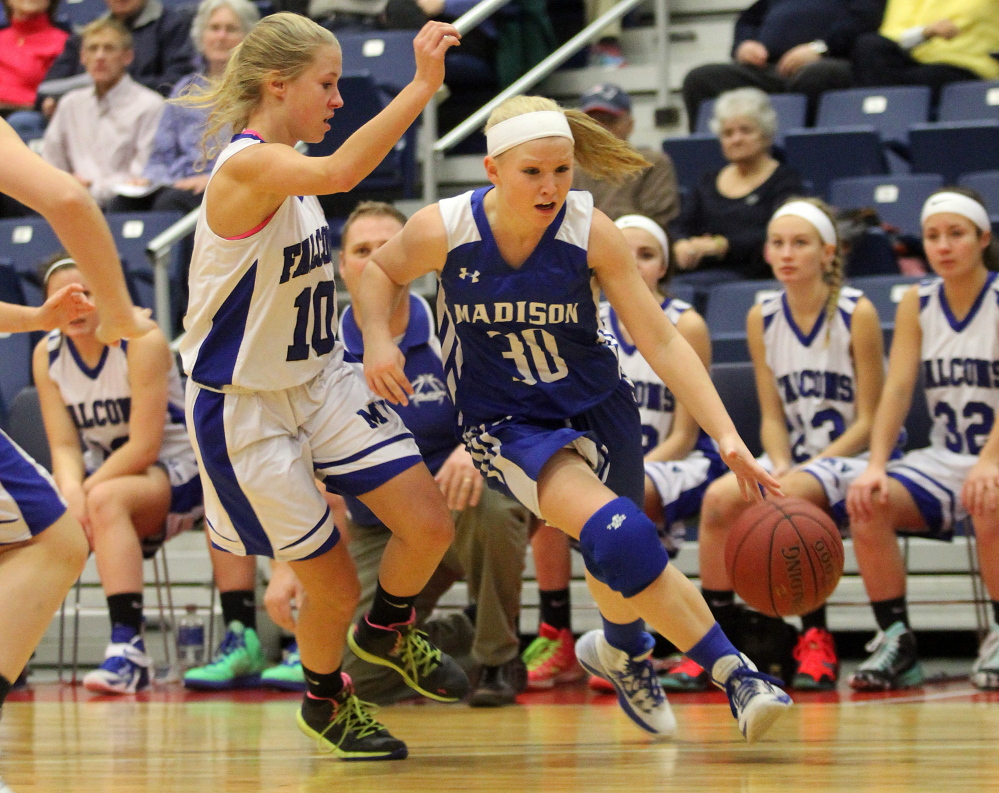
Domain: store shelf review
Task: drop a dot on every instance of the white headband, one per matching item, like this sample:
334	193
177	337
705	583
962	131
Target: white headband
959	204
55	266
649	225
527	126
814	215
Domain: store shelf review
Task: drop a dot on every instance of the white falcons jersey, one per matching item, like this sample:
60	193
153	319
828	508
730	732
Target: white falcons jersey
262	312
99	401
656	403
813	370
960	366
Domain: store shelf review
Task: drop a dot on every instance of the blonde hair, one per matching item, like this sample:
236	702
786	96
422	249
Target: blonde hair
370	209
834	276
101	24
598	152
282	45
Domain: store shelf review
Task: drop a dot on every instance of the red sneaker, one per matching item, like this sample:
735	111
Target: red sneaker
818	666
551	659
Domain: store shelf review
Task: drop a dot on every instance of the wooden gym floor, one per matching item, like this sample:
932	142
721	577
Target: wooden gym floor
943	737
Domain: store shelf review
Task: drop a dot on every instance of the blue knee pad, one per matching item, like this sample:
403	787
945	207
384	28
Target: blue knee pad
621	547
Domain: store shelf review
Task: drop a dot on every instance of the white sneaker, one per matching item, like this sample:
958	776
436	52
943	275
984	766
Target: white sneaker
985	671
125	669
4	788
754	697
634	680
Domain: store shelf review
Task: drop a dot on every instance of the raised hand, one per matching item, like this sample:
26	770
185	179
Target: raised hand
62	307
430	45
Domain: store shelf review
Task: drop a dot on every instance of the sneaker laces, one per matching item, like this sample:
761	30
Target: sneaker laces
988	653
354	716
884	652
815	650
639	677
418	655
231	642
539	651
743	684
125	651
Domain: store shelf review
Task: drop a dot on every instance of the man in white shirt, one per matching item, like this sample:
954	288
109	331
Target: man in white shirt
103	134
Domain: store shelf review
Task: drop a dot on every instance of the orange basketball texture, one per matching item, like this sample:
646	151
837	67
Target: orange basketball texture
784	557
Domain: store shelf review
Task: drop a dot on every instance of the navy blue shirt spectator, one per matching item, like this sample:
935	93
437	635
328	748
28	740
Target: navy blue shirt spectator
800	46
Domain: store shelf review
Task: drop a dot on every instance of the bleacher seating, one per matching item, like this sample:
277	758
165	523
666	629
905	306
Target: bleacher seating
969	101
736	385
693	156
884	291
889	110
790	108
898	198
728	305
26	243
79	12
822	155
986	184
132	232
25	426
387	55
15	373
954	148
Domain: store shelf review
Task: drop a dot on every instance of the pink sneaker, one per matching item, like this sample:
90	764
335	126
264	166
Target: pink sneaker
551	659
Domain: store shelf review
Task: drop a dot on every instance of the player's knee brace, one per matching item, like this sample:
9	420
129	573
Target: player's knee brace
621	547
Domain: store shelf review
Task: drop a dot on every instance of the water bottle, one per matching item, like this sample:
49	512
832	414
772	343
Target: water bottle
191	639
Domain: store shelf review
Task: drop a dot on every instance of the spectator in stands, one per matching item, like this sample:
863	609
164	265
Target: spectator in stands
177	171
722	228
103	134
134	483
163	50
930	44
797	46
29	43
606	53
653	193
491	529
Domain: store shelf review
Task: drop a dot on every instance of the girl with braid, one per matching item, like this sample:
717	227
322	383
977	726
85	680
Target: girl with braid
818	357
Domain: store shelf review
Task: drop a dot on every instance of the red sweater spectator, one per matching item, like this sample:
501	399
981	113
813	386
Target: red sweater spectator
28	46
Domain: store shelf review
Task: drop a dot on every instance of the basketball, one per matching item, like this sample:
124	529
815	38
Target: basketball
784	557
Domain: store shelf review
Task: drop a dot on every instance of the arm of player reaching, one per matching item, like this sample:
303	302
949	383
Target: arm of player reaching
80	226
668	353
61	308
420	248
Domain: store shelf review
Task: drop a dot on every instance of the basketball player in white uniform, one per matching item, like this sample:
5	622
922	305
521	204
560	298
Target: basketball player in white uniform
947	331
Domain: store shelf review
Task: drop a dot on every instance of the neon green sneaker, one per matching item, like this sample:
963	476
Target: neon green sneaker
238	662
287	675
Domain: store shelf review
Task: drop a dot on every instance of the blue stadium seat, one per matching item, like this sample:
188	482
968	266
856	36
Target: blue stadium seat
11	288
974	100
132	232
986	183
387	55
26	243
898	198
15	374
79	12
684	292
954	148
889	110
693	156
736	385
884	291
25	426
790	109
821	155
728	305
363	101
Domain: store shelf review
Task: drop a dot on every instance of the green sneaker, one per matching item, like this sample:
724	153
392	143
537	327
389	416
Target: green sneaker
238	662
287	675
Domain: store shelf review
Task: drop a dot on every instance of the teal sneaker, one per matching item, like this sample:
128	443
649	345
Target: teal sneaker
893	663
287	675
238	662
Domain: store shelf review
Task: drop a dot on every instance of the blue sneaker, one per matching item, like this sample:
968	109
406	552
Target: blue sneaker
125	669
756	699
287	675
634	679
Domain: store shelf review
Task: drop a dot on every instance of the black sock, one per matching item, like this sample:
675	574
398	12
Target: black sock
888	612
722	605
555	606
240	604
126	609
5	685
995	611
324	686
814	619
387	609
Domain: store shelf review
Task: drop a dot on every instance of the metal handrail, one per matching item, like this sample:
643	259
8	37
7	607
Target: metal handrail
158	250
588	34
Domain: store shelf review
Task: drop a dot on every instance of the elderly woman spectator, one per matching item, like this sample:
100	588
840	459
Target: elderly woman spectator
175	177
721	229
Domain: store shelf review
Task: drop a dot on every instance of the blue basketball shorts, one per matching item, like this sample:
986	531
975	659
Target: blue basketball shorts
29	500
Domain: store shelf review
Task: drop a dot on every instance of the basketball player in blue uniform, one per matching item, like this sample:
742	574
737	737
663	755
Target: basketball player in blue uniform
680	459
818	360
42	547
271	403
947	328
129	490
545	410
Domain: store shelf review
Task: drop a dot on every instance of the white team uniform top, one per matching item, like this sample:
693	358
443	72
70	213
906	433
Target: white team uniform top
960	362
99	400
814	373
262	313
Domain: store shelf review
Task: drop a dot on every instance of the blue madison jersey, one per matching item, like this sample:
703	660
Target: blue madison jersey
960	366
523	341
656	403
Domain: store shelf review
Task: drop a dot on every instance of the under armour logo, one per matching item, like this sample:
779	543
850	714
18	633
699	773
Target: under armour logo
616	522
463	274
